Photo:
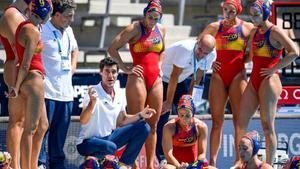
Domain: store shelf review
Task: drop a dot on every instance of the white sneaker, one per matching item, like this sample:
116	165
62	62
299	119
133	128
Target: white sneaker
42	166
162	164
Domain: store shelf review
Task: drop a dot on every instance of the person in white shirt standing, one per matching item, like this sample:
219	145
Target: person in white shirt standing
105	125
60	59
181	60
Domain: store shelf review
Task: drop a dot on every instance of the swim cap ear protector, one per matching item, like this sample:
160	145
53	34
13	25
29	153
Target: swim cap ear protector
265	7
153	5
253	136
41	8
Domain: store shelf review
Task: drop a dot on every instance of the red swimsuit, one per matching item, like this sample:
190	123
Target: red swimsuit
8	49
231	44
146	52
36	61
264	56
184	143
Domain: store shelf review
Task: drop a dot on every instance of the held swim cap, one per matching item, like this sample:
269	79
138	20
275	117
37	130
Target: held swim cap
153	5
5	159
41	8
253	136
236	3
199	164
186	101
295	162
91	162
265	7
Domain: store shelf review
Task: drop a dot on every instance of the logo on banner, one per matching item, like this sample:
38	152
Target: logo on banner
290	95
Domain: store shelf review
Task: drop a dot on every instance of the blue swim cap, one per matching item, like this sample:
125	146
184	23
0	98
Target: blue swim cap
41	8
153	5
253	136
265	7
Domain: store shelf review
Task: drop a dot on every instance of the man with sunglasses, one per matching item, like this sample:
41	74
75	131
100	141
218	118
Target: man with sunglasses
181	60
60	59
185	138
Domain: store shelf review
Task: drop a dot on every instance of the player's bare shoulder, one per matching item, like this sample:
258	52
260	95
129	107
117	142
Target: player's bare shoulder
170	125
247	28
200	123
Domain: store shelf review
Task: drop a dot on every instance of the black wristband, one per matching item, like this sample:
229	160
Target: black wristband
141	117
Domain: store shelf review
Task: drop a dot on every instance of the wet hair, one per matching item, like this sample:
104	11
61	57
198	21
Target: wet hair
253	136
264	6
41	8
61	5
107	62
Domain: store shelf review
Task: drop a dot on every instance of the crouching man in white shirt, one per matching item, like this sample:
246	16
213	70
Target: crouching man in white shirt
105	125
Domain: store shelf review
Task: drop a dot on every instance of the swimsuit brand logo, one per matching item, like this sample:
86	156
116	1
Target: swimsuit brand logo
231	37
39	48
260	44
187	140
155	40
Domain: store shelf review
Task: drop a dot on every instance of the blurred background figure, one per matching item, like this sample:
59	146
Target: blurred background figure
5	160
293	163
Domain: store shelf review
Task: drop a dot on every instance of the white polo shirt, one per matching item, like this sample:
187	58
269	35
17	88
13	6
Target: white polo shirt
58	82
104	117
181	54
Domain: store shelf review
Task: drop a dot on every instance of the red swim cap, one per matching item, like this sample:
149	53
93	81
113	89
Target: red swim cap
186	101
236	3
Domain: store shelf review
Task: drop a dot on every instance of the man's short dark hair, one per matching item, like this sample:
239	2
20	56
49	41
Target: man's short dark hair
61	5
107	61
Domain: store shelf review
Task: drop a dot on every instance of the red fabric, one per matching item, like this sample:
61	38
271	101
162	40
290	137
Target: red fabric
185	154
236	3
8	50
265	56
184	143
231	58
154	4
146	53
36	62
